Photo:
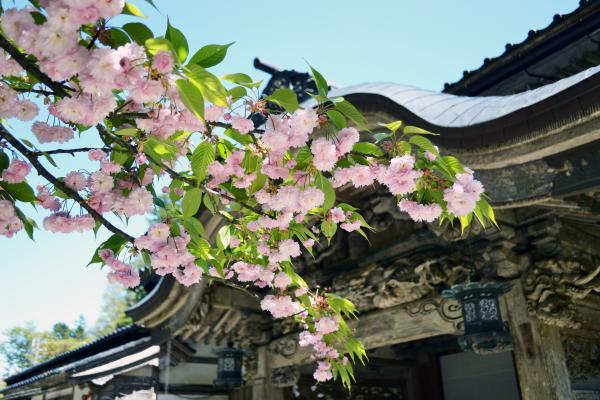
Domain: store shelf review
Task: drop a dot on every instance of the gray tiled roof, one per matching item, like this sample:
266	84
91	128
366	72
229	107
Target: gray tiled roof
452	111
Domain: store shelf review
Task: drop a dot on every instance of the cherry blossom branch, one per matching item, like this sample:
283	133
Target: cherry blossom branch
39	91
69	151
32	68
33	159
175	175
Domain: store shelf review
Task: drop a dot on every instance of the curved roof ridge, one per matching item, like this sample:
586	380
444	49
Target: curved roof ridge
451	111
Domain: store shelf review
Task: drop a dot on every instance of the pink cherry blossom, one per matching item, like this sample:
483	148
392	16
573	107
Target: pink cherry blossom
337	215
96	155
243	125
46	133
346	139
75	180
327	325
282	281
420	212
9	221
351	226
163	62
464	194
213	113
324	154
280	306
399	176
64	223
16	172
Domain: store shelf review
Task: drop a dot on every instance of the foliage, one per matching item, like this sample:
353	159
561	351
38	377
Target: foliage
25	346
159	112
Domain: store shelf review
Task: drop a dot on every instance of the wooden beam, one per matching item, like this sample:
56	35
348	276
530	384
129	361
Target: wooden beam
399	324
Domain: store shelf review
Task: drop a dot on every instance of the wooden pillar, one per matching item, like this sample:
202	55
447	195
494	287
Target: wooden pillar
260	388
539	355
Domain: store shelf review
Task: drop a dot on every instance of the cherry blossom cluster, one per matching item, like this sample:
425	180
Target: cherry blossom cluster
464	194
121	272
274	185
170	254
9	221
16	172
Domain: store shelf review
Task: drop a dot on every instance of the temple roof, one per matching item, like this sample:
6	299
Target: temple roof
568	45
123	342
452	111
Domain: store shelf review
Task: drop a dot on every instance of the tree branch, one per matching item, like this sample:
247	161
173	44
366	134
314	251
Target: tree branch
173	174
33	159
32	68
69	151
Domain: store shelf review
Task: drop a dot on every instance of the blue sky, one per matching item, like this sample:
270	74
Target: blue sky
412	42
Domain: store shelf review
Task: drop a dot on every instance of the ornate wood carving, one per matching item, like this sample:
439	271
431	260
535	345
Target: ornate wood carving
552	286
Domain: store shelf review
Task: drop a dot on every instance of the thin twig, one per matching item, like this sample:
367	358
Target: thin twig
69	151
39	91
33	159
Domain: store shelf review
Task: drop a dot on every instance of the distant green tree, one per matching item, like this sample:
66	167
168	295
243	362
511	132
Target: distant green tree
112	314
25	346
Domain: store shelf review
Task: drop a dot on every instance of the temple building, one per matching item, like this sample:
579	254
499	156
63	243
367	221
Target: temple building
528	123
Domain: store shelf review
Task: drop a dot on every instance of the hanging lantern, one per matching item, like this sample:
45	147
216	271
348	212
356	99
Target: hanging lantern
485	332
229	367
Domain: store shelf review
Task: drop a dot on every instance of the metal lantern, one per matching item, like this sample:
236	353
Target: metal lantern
485	332
229	367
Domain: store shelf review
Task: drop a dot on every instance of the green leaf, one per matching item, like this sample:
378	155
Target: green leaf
191	202
126	132
155	45
424	143
488	211
19	191
146	258
320	81
114	243
304	157
238	137
367	148
211	87
453	164
404	147
223	237
415	130
130	9
191	96
237	92
393	126
211	55
177	38
28	223
328	228
346	108
258	183
336	118
138	32
194	227
323	183
285	98
203	155
117	37
49	158
237	78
